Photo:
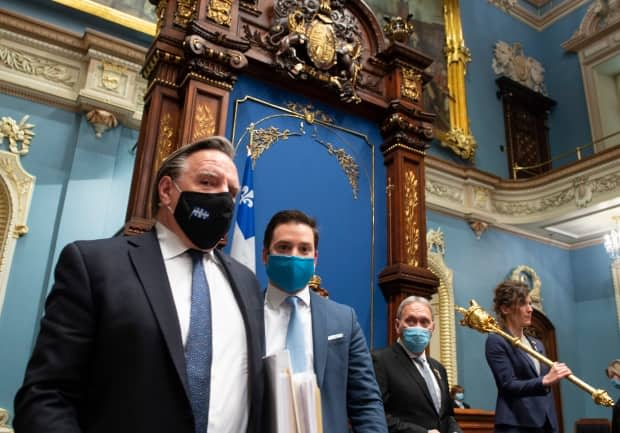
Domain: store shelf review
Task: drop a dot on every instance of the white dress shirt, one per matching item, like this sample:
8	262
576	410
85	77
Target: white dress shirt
536	362
229	395
413	356
277	314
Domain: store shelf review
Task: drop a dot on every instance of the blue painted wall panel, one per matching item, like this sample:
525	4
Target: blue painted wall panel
478	266
81	191
299	173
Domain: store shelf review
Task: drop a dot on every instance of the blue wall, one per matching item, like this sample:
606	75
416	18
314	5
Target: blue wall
298	173
577	296
485	24
597	335
81	190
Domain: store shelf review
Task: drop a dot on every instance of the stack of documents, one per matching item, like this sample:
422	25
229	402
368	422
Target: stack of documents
294	399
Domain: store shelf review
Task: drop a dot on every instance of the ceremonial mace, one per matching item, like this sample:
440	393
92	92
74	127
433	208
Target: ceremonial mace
476	318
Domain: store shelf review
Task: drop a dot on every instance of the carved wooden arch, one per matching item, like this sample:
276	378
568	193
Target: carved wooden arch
543	329
371	27
443	303
16	187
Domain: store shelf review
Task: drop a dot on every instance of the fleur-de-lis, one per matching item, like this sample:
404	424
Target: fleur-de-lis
247	196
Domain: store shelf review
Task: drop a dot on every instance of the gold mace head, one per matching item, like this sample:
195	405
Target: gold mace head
476	318
601	398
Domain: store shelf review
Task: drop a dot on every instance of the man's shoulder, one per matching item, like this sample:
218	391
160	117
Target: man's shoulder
385	352
332	307
113	246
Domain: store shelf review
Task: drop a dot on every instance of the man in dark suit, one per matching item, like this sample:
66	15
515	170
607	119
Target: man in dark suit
414	386
320	334
154	333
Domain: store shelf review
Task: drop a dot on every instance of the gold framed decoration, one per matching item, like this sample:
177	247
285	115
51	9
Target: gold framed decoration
436	30
138	19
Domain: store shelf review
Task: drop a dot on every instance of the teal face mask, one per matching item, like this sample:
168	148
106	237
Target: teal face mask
459	396
289	273
615	382
416	338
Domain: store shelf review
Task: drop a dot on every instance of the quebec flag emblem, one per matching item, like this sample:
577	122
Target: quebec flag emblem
243	243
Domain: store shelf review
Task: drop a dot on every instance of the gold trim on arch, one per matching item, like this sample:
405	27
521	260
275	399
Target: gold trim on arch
459	138
16	186
111	14
445	294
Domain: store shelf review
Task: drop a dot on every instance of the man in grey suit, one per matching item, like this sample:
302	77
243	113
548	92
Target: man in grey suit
158	332
414	386
320	334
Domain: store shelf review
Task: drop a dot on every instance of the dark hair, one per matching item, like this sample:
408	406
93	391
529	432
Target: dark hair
613	368
289	216
455	389
175	162
509	293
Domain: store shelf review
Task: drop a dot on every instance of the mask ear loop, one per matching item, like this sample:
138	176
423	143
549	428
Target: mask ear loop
178	189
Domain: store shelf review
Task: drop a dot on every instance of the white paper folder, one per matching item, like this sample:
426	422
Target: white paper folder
294	399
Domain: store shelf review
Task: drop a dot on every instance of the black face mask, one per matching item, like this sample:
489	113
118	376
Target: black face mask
204	217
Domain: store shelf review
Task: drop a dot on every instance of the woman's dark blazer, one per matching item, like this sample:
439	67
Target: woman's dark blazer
522	400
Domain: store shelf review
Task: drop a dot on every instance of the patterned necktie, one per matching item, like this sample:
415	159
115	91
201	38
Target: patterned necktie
430	384
198	346
295	336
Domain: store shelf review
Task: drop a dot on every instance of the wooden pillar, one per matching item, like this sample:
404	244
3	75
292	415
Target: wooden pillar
407	131
190	68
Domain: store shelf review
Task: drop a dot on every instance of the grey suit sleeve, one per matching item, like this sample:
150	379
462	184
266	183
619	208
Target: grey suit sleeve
364	404
395	424
55	381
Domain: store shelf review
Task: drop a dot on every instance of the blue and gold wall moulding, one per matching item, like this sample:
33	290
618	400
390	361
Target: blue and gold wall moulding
321	44
305	159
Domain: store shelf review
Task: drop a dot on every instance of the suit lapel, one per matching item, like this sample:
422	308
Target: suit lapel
318	312
526	358
406	364
149	264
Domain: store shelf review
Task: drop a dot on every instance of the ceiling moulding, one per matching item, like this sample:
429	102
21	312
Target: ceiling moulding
525	207
50	65
540	22
538	3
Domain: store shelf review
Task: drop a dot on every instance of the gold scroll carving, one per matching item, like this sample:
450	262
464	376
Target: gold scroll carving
412	231
220	11
204	123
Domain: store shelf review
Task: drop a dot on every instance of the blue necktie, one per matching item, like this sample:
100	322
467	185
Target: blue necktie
295	336
198	346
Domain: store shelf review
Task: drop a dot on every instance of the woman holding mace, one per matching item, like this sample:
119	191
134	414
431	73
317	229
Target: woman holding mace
524	400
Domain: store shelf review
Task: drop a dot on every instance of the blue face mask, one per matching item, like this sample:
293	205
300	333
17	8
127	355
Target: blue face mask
290	273
416	338
459	396
615	382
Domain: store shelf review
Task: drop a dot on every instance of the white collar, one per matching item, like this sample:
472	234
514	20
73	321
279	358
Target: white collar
171	245
275	296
